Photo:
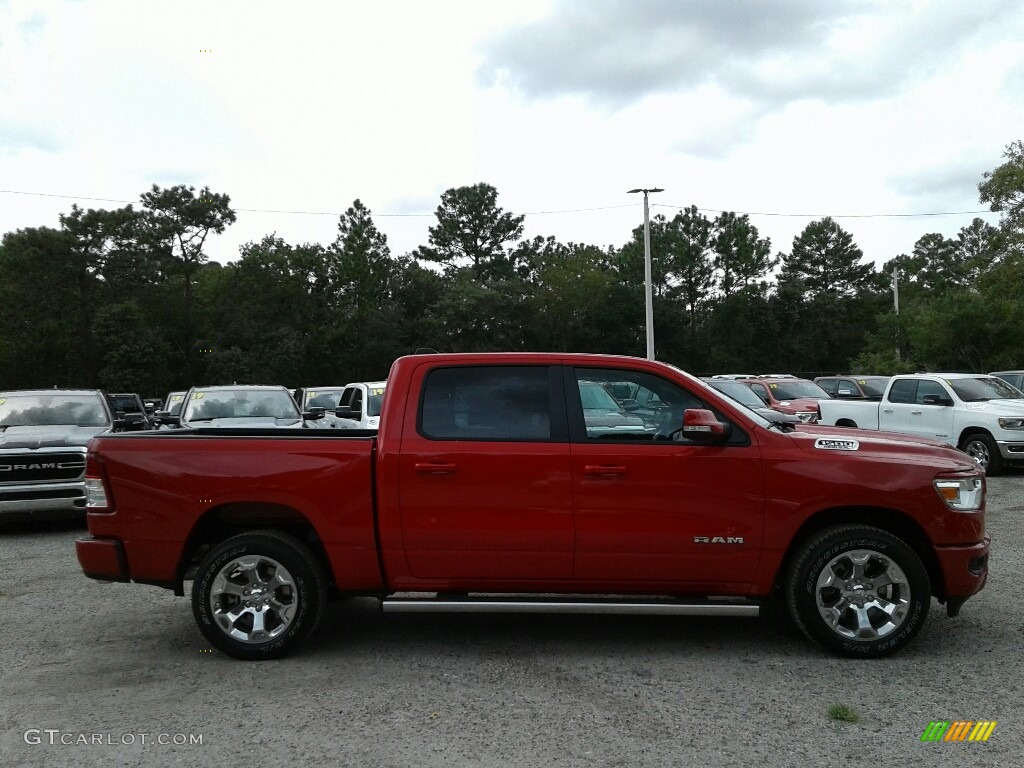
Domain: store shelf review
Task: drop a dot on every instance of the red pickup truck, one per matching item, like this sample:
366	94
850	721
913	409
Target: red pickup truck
490	488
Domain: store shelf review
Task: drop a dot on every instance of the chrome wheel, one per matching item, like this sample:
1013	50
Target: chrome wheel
253	599
862	595
977	450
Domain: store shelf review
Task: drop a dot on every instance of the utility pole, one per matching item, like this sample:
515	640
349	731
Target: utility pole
648	292
896	304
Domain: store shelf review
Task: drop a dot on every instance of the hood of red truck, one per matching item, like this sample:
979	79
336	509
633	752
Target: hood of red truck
840	440
797	405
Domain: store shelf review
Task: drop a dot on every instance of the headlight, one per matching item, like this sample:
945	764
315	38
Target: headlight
1015	422
962	495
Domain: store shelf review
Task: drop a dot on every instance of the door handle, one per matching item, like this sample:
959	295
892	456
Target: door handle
603	470
434	469
887	410
915	413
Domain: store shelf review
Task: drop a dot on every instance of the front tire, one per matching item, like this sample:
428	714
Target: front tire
858	591
983	449
258	595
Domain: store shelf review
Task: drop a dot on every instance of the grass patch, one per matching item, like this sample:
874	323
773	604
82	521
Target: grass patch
843	713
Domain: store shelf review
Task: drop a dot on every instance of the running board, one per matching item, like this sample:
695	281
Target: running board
516	605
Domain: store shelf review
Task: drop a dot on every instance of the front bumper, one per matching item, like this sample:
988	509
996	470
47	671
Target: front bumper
964	571
1011	450
102	559
42	500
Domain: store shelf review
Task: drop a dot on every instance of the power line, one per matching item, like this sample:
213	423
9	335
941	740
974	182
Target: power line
543	213
832	215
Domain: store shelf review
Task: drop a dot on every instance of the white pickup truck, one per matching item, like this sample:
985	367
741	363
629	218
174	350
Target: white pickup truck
981	415
360	404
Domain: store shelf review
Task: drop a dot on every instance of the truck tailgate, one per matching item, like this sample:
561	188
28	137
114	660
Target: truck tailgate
163	485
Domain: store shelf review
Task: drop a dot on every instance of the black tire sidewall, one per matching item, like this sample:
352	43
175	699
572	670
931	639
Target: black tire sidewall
818	552
299	562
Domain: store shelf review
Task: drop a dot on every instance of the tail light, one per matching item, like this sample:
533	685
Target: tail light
97	492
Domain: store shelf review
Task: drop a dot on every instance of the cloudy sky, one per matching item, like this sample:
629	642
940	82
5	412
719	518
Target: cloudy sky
789	110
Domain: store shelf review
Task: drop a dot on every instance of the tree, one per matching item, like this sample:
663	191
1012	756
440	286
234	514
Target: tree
472	230
570	308
1003	191
47	301
180	222
741	256
825	260
176	224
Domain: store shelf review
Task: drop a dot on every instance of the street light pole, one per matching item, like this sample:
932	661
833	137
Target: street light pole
648	294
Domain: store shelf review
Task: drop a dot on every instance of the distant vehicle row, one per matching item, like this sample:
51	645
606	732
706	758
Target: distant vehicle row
981	415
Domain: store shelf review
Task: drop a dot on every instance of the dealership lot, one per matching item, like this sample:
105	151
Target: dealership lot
118	674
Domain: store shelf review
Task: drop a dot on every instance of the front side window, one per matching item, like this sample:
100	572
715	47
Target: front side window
926	387
653	412
487	403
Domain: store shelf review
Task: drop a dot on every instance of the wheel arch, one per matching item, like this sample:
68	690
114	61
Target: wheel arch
972	430
227	520
887	519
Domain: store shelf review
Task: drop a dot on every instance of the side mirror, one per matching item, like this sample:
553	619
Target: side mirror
936	400
314	413
166	417
701	425
348	412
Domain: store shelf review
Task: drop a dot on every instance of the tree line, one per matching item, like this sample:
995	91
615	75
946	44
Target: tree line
128	300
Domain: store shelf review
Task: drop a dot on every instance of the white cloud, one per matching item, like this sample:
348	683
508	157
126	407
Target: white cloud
809	107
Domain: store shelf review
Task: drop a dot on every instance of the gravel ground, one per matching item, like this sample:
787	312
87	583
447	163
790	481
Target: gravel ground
116	669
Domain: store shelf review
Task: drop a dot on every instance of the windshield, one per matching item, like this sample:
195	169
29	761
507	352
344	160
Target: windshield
984	388
790	390
82	410
739	392
323	398
596	398
206	405
873	386
375	398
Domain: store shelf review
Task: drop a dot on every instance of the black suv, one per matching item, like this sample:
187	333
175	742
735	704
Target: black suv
129	409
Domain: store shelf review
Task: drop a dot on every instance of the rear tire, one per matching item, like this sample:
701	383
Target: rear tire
258	595
858	591
983	449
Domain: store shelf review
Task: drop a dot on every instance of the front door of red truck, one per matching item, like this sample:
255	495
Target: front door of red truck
652	507
485	480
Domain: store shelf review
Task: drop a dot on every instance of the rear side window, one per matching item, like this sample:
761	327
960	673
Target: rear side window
488	403
902	391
